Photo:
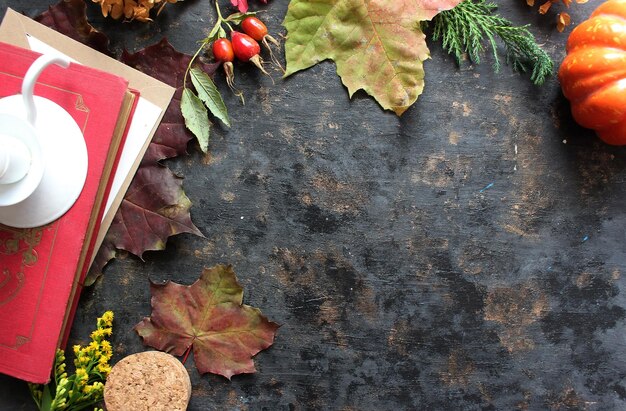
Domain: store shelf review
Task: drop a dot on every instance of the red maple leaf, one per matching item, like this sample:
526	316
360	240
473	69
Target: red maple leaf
208	317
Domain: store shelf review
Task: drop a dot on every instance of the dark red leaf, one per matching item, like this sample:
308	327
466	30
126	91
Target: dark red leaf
155	207
106	253
165	63
69	18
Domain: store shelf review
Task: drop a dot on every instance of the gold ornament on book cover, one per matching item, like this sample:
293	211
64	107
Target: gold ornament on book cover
12	242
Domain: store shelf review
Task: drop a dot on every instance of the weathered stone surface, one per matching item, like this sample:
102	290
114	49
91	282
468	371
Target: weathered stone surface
469	255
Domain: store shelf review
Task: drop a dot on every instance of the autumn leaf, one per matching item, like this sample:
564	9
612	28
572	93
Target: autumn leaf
377	45
208	317
106	253
69	18
242	5
155	207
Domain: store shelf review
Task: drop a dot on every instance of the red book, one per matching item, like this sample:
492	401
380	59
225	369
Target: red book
41	269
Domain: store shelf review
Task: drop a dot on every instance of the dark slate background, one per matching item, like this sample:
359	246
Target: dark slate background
467	255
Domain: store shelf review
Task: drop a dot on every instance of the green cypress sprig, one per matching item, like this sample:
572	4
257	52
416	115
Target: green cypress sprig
465	29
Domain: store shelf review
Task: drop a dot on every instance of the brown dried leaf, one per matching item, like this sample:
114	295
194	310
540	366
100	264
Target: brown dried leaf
106	253
543	9
154	208
562	20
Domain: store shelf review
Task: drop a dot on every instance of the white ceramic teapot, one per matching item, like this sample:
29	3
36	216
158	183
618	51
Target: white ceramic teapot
43	156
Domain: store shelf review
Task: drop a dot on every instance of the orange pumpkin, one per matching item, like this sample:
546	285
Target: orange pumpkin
593	74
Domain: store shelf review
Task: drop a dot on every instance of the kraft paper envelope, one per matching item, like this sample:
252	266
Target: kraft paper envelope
155	96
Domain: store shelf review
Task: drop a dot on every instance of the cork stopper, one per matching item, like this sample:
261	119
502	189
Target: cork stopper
148	381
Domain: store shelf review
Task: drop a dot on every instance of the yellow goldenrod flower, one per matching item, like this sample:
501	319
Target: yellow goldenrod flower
98	386
81	373
107	318
105	369
84	361
106	347
85	386
36	391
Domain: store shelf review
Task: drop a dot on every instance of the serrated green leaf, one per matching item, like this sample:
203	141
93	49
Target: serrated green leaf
237	18
216	33
377	45
209	94
196	117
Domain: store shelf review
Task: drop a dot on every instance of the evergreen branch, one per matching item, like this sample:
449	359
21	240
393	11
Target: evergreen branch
464	29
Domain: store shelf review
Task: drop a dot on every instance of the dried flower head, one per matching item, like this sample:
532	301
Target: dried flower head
113	8
562	19
131	9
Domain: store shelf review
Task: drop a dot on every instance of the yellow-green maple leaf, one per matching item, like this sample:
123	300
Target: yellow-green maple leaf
377	45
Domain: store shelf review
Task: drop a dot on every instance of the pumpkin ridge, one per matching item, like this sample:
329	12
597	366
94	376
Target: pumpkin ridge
598	45
608	8
599	29
604	111
597	90
617	16
588	61
610	136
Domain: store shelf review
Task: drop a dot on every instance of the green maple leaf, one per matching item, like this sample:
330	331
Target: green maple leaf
378	45
209	317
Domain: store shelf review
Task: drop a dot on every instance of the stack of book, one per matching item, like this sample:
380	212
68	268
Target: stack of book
41	269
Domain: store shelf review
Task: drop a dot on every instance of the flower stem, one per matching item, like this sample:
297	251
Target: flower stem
220	19
204	43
